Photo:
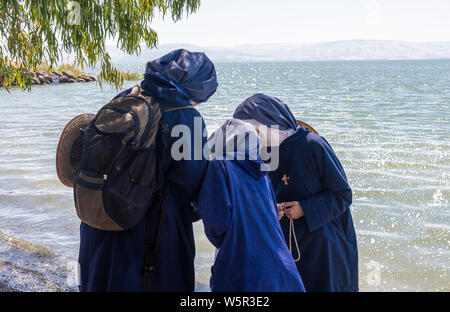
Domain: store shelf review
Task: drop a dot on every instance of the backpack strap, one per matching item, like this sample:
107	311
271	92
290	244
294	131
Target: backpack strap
172	109
153	238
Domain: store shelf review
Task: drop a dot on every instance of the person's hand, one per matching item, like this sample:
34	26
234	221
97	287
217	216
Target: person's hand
280	211
292	210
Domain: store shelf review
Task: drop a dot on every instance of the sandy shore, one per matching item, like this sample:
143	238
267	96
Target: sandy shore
22	268
5	288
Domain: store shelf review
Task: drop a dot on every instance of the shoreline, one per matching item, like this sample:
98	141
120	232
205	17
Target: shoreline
5	288
65	76
27	268
54	76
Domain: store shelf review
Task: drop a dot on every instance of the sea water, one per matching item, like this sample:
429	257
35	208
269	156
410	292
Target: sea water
388	122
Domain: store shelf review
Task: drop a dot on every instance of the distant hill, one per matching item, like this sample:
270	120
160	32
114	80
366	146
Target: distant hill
326	51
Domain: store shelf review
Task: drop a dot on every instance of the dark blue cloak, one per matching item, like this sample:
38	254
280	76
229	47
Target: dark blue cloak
326	235
114	261
238	208
315	178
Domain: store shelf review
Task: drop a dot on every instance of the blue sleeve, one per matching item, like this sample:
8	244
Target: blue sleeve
214	206
336	196
188	174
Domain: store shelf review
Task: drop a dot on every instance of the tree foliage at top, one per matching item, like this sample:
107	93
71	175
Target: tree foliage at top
40	31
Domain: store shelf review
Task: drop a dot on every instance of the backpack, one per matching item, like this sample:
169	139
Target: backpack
119	173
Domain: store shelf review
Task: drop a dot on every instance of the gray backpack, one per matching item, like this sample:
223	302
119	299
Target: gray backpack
119	172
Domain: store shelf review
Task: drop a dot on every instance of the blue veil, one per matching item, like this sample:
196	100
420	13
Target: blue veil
180	78
266	110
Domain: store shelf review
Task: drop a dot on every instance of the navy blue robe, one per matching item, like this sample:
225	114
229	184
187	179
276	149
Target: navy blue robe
238	209
114	261
326	235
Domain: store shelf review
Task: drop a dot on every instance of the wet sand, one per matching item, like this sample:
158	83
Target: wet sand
5	288
25	270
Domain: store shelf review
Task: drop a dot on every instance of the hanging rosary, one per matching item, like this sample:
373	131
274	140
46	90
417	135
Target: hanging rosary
292	233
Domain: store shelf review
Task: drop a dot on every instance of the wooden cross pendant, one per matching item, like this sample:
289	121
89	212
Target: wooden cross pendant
285	179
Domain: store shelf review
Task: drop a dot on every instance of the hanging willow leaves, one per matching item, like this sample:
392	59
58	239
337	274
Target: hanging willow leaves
40	31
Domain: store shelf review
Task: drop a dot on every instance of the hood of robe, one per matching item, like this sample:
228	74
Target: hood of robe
238	141
180	78
271	116
267	110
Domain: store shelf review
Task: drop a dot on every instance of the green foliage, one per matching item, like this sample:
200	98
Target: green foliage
70	67
33	32
128	75
46	67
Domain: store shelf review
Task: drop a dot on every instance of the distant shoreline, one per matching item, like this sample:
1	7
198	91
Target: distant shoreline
332	61
318	51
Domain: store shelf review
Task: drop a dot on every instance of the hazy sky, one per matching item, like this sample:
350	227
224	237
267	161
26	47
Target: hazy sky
231	22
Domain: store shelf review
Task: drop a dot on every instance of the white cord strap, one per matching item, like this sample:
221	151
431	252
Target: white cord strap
292	233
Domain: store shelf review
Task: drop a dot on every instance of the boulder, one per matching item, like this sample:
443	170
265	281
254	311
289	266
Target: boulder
63	79
67	76
40	73
42	79
86	77
68	73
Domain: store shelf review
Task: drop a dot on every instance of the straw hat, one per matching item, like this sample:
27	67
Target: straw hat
68	146
305	125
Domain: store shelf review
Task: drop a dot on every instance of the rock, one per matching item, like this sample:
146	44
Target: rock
68	73
40	73
87	78
42	79
67	76
63	79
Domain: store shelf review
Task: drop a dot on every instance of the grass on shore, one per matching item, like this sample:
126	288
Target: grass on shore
21	244
128	75
50	69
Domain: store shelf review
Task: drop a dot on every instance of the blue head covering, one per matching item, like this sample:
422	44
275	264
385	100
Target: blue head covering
180	78
266	110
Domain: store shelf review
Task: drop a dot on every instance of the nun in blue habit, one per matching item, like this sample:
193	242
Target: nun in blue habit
238	208
114	261
313	195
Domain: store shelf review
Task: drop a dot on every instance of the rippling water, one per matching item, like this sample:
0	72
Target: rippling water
388	122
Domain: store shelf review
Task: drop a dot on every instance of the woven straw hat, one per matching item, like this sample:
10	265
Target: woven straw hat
305	125
68	146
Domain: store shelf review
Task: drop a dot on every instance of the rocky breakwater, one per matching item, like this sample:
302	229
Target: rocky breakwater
65	76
